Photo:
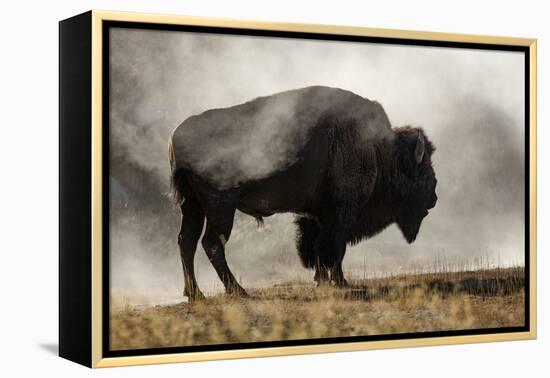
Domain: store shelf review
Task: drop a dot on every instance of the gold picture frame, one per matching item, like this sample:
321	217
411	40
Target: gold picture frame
89	266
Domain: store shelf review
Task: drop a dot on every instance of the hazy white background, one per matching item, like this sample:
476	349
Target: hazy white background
469	102
29	187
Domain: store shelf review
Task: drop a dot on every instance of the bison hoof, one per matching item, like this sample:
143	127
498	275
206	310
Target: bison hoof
323	283
237	292
196	295
341	283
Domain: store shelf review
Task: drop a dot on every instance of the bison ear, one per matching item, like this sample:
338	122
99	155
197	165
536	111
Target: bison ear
420	148
411	145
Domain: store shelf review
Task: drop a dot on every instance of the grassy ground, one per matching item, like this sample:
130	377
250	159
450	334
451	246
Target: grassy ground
398	304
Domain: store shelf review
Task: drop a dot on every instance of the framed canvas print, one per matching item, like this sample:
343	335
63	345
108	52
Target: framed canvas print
235	189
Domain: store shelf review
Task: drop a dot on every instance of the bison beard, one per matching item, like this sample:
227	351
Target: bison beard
328	155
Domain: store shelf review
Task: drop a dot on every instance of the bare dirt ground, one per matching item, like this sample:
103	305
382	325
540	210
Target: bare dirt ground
491	298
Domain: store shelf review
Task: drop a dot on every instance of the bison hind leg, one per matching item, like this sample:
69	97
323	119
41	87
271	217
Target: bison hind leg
190	232
180	186
306	235
219	223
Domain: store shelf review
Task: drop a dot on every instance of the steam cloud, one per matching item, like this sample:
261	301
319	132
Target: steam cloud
254	140
469	102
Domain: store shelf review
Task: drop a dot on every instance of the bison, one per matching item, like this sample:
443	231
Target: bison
325	154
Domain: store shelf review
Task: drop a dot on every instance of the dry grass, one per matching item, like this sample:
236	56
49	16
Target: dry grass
399	304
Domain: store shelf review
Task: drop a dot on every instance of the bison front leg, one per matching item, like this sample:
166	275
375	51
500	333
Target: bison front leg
321	274
307	246
331	248
337	275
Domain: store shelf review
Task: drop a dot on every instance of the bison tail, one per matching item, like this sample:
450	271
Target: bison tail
175	175
306	235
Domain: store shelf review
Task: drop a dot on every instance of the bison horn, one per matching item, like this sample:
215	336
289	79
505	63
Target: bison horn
419	150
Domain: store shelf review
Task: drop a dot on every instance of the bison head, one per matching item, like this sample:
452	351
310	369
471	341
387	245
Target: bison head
416	184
